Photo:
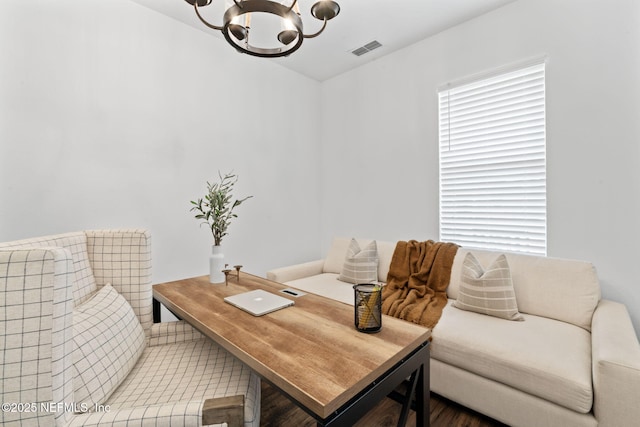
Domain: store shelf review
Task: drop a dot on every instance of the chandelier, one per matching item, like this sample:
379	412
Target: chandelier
280	20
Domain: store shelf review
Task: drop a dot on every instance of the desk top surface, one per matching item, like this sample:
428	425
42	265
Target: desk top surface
311	350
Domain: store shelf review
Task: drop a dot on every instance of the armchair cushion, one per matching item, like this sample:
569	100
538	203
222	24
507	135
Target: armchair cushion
109	341
173	332
188	372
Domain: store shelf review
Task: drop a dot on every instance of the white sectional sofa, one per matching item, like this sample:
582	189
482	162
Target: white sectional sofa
573	361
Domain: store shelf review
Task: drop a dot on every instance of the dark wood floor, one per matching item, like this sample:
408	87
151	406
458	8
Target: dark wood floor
278	411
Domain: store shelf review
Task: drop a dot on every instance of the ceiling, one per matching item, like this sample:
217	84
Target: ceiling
393	23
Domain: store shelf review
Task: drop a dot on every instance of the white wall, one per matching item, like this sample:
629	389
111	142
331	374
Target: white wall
380	156
112	115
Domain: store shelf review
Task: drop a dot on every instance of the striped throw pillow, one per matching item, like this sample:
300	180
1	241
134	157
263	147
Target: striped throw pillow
360	265
488	291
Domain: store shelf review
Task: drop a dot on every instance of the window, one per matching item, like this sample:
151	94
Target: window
493	162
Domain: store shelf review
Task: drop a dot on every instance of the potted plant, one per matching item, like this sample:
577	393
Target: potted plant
216	210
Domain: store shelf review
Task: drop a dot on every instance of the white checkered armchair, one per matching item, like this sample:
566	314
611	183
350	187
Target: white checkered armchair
78	346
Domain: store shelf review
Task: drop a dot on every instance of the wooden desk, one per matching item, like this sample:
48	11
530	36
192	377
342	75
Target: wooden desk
310	351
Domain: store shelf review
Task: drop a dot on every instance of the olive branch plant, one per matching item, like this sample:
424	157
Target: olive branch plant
216	209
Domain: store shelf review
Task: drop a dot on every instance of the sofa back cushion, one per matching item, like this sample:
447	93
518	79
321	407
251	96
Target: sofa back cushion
561	289
334	260
84	283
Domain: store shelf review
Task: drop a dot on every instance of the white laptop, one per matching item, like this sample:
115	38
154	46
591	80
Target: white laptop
258	302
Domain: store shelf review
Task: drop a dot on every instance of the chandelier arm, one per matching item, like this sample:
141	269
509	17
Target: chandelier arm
310	36
215	27
293	4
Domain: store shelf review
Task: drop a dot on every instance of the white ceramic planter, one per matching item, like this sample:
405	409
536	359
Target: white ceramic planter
216	265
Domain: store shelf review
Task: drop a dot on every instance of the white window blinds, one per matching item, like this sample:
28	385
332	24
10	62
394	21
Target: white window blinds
493	162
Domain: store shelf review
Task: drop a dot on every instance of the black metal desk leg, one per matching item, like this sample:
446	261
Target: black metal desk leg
156	311
423	397
408	400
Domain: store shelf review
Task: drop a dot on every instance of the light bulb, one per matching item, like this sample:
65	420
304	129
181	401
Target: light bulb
288	25
237	20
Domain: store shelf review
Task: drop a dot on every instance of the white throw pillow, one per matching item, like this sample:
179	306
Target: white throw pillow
487	291
360	266
108	341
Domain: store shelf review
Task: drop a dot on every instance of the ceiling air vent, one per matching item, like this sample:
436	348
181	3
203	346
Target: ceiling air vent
366	48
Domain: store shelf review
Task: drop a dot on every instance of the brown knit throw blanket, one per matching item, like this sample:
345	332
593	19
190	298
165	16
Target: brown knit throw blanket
419	274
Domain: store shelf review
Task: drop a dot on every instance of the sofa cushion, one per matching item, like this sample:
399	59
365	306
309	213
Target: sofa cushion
540	356
360	264
487	291
334	260
84	284
326	285
108	341
566	290
385	253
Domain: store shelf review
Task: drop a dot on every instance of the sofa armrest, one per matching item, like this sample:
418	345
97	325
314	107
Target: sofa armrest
616	366
173	332
298	271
